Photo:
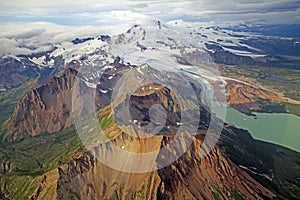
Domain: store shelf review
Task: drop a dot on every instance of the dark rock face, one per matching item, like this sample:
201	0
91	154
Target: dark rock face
140	106
44	109
79	41
104	38
13	72
219	55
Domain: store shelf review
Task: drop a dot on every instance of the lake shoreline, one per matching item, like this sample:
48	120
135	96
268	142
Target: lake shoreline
276	128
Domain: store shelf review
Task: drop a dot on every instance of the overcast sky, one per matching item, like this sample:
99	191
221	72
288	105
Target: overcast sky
114	12
28	26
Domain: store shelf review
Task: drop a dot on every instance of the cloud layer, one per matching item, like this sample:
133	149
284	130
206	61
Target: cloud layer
27	26
106	12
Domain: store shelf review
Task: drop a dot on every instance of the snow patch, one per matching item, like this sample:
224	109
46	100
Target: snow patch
103	91
90	85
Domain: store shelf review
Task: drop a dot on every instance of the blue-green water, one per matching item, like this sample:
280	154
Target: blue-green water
277	128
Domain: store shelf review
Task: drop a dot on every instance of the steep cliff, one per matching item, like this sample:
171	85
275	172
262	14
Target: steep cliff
43	109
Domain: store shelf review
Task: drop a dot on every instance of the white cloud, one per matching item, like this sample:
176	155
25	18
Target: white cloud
14	47
92	12
37	23
13	29
27	39
24	20
7	45
28	34
123	16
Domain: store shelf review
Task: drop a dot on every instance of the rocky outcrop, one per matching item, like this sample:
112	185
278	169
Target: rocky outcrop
212	177
43	109
241	93
190	177
46	186
15	72
143	100
245	97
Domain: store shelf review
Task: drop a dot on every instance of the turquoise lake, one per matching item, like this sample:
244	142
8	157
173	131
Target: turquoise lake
277	128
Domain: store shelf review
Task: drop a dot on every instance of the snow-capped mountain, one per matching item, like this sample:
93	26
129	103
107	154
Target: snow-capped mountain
168	46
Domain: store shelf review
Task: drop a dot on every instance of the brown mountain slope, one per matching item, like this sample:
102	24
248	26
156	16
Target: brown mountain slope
189	177
43	109
241	93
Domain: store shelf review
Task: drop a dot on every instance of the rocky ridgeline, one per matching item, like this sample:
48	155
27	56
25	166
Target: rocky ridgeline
43	109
